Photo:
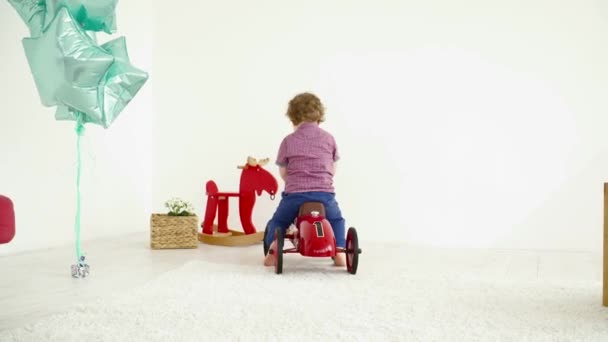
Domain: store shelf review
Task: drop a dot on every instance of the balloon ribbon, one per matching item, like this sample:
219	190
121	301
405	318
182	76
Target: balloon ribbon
80	269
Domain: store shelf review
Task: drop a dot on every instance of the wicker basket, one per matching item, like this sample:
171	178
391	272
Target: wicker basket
168	232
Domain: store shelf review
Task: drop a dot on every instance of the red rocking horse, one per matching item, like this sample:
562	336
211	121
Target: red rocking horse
254	180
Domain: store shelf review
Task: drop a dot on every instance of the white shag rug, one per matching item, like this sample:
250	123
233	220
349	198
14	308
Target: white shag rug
313	301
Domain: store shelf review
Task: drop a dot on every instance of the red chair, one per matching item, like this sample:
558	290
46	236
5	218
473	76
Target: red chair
7	220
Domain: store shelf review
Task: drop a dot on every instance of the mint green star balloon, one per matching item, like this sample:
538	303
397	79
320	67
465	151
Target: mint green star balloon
88	83
122	82
117	88
32	12
65	59
92	15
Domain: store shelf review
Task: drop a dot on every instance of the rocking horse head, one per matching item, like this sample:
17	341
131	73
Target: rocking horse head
254	178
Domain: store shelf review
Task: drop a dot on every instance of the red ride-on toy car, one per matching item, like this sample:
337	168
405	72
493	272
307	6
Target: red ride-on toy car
313	237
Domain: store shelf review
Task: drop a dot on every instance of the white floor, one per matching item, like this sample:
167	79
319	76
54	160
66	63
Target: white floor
38	284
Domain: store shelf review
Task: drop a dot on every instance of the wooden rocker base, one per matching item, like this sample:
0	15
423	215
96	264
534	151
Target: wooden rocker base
233	238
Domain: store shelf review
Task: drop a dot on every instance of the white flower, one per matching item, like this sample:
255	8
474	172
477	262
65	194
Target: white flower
178	207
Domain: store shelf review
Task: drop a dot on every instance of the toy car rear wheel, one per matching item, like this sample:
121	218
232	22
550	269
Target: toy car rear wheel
264	241
352	251
278	253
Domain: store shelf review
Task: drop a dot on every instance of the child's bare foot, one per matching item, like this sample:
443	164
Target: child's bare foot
340	259
269	258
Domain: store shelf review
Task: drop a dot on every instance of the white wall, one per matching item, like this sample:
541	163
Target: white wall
38	153
469	123
461	123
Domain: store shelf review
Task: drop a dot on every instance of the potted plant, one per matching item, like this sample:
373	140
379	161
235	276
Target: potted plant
175	229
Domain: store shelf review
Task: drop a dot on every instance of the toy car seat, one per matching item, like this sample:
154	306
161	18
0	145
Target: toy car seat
7	220
307	208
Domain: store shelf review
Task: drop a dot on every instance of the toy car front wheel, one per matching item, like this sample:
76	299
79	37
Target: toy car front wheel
278	252
352	251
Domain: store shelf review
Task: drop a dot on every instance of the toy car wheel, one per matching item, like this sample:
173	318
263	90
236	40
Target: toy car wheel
278	253
352	251
264	241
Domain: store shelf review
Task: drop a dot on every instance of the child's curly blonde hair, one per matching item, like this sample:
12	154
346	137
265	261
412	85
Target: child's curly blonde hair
305	107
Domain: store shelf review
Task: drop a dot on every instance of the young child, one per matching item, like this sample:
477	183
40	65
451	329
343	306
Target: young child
306	161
